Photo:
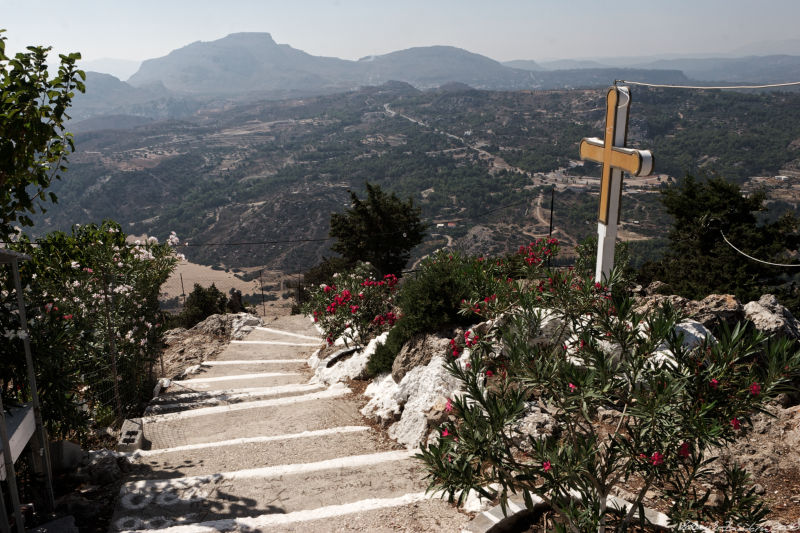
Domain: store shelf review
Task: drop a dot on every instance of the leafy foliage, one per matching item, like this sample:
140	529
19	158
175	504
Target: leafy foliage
201	303
95	324
432	299
354	306
33	144
381	230
699	262
630	399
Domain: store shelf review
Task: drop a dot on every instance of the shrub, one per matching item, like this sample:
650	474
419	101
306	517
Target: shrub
201	303
356	307
95	324
432	299
668	402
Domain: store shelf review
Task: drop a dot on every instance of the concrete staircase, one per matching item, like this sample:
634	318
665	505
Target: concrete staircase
245	443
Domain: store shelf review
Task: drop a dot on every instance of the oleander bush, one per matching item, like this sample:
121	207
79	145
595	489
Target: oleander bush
631	401
94	325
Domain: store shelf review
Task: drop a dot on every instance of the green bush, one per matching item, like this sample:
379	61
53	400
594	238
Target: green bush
670	404
95	324
200	304
447	291
381	361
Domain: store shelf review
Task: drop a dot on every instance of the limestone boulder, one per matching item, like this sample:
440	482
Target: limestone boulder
349	365
717	309
771	317
423	390
417	352
231	326
648	304
535	423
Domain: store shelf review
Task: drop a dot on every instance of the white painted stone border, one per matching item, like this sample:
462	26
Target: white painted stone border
217	362
287	333
237	377
332	392
349	461
277	343
278	519
251	440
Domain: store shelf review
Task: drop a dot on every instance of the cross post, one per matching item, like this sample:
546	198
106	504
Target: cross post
615	158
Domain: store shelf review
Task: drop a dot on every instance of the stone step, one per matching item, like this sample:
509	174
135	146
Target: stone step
256	452
167	431
181	400
410	513
261	378
277	489
264	351
275	334
219	369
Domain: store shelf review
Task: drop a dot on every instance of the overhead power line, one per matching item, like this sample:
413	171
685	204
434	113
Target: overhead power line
783	265
706	87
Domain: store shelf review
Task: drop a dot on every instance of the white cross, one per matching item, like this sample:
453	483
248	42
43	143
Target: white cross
611	152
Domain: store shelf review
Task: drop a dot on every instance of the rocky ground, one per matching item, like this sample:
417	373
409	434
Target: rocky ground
403	409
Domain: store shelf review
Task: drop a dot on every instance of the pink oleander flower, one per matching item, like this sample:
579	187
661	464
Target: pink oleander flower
735	423
448	406
714	383
755	389
445	433
572	387
546	466
683	450
489	373
656	459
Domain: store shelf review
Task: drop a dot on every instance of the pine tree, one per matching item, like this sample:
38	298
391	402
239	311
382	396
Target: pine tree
699	262
381	230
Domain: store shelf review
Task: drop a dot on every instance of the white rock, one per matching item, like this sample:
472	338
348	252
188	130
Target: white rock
382	406
242	324
314	360
418	393
694	333
351	368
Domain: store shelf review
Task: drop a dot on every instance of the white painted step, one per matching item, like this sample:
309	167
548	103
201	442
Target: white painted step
279	489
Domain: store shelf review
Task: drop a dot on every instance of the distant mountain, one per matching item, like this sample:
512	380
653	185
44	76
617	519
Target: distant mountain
432	66
524	64
599	77
106	94
766	69
119	68
241	63
253	63
570	64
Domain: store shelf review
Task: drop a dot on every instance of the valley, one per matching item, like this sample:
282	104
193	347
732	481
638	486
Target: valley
254	184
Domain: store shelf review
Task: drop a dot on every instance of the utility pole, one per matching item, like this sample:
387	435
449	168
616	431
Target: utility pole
263	303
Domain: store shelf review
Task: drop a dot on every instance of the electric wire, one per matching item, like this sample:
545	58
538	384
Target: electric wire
707	87
782	265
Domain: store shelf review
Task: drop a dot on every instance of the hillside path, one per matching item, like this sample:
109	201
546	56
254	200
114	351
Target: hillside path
247	443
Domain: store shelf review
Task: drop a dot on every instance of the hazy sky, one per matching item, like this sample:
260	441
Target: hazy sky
500	29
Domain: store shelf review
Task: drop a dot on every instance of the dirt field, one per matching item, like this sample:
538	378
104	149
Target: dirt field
275	283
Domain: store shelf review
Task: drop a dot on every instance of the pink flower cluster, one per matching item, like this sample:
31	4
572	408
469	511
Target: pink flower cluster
386	318
470	342
537	251
389	280
456	349
338	300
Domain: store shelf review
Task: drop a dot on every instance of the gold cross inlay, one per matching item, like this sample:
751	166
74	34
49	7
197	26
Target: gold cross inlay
636	162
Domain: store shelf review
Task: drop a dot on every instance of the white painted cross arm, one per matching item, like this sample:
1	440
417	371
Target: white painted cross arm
631	160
